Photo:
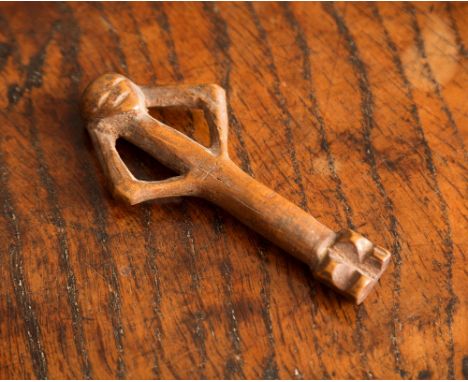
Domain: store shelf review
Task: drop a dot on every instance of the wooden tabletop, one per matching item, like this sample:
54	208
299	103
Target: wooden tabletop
355	112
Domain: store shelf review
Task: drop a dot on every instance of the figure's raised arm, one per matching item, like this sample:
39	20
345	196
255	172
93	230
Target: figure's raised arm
209	97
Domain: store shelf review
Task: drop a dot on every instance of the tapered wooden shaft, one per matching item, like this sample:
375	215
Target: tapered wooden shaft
115	107
267	212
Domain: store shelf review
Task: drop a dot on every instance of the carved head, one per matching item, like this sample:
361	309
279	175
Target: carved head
111	94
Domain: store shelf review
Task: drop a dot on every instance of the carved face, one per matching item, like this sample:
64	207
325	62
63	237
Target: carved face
111	94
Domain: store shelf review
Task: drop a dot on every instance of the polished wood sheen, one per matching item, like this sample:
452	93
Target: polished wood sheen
357	113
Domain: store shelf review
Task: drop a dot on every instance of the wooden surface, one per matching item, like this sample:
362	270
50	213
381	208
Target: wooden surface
356	112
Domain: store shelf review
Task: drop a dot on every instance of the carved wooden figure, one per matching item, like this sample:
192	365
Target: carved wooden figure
116	107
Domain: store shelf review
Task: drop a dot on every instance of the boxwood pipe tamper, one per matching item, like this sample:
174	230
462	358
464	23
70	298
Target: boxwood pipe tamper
114	107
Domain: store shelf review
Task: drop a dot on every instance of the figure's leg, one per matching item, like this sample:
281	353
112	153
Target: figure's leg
126	186
210	97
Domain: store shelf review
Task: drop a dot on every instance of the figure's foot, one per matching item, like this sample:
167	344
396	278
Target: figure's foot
352	265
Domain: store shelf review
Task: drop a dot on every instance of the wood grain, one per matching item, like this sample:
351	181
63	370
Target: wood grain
355	112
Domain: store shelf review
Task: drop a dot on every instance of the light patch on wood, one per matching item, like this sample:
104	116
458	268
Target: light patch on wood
441	55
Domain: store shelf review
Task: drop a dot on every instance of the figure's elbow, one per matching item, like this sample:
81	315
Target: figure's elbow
126	192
